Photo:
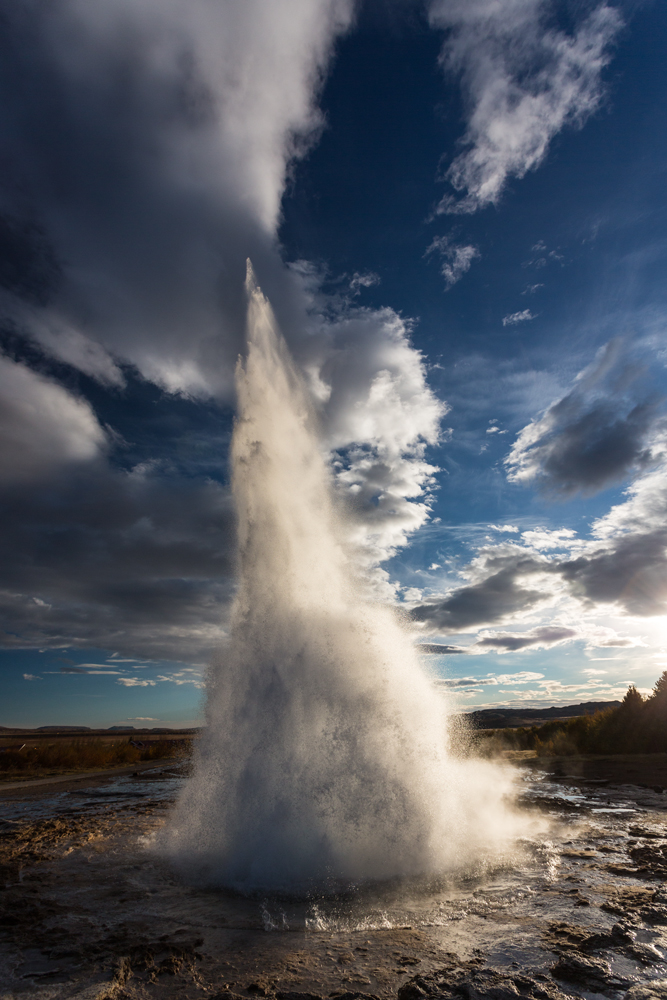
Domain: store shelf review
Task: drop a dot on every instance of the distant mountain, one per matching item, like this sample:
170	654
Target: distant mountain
63	729
120	729
511	718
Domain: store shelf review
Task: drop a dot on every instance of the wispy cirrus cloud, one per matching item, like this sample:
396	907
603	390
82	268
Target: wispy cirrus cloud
523	316
366	280
524	79
456	258
188	675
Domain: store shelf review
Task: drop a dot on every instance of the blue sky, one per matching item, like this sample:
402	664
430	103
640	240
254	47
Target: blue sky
457	210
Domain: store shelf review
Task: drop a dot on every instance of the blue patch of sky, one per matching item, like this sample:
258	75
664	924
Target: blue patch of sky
585	231
74	687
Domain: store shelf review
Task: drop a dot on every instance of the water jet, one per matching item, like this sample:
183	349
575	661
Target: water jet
325	759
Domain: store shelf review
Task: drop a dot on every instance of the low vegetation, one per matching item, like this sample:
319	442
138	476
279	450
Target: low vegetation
65	757
637	725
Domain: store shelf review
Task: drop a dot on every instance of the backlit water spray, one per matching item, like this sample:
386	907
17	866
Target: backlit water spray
325	756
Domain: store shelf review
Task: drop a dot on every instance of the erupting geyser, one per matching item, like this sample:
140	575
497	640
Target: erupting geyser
325	757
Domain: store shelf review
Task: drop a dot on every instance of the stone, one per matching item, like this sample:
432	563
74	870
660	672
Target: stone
657	990
482	984
594	974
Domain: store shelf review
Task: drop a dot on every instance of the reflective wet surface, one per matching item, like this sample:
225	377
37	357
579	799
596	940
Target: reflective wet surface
90	911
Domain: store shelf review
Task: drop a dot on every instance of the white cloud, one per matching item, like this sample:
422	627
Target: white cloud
518	317
457	258
523	80
181	677
131	682
366	280
164	193
522	677
379	417
43	427
544	539
31	677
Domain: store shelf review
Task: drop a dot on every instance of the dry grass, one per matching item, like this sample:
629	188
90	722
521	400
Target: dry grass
84	755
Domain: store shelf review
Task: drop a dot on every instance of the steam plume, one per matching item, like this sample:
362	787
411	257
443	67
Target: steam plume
325	755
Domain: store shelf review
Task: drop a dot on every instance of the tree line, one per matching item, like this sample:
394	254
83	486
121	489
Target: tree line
637	725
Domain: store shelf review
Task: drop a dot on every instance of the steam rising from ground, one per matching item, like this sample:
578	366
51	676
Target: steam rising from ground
325	759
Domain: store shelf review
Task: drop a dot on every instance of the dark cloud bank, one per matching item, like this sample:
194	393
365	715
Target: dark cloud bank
146	148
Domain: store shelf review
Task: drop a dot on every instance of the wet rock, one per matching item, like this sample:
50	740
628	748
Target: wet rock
644	953
656	914
292	995
630	902
623	934
656	990
594	974
564	937
629	870
337	994
350	996
650	859
482	984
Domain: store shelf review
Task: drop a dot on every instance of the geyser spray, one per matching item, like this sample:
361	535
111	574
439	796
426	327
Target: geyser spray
325	756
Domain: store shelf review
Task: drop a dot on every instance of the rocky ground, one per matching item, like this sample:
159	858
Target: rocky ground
88	912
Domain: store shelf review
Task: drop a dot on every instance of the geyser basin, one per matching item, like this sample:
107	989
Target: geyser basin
325	759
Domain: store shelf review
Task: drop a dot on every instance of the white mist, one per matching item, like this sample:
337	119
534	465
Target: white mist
325	755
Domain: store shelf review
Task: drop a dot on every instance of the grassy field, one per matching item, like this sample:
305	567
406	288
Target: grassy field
37	759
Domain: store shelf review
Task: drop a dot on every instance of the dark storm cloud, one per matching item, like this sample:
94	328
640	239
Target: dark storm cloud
452	683
439	649
28	264
135	562
543	637
499	595
145	149
146	146
594	436
631	573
